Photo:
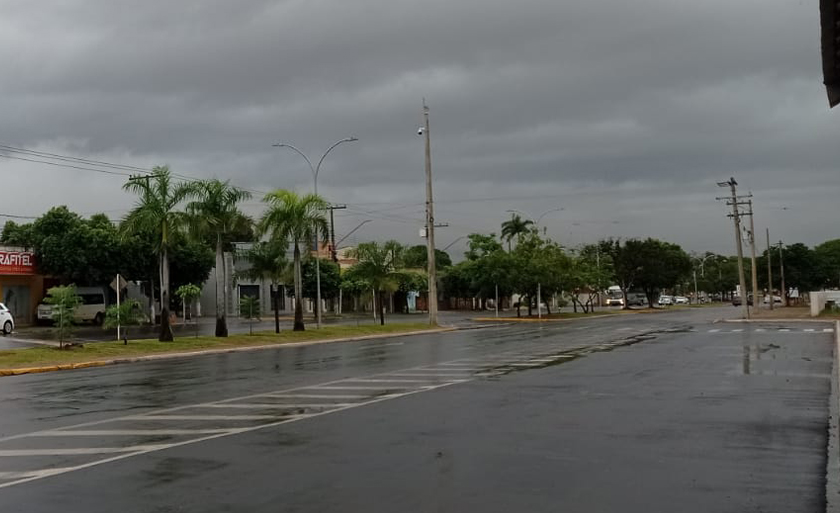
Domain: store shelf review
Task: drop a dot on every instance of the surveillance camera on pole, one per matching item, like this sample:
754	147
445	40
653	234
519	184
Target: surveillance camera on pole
421	130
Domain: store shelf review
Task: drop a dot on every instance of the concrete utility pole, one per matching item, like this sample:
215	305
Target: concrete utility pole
430	222
770	273
754	269
736	217
332	208
782	271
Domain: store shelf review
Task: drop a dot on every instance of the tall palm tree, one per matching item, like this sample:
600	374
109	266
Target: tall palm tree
214	213
381	267
515	227
156	211
295	218
268	262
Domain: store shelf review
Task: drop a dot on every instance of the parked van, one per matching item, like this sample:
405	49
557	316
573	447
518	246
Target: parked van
91	309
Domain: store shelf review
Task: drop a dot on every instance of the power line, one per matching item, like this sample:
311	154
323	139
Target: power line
67	158
105	171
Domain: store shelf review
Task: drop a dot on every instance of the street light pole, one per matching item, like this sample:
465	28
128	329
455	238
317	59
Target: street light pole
769	272
315	170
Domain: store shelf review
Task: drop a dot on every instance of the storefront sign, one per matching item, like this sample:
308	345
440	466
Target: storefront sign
17	262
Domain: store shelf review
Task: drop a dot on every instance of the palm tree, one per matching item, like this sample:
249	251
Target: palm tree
295	218
515	227
213	213
155	212
268	262
380	266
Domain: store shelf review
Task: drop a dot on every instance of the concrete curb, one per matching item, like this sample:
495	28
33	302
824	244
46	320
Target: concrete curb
164	356
832	471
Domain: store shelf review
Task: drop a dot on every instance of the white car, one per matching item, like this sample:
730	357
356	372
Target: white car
615	301
7	322
665	300
681	300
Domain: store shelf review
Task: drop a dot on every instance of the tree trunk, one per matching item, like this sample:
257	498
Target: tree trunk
548	308
165	329
298	326
624	295
275	299
574	303
381	308
221	290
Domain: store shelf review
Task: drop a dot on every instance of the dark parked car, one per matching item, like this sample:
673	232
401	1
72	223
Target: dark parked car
737	301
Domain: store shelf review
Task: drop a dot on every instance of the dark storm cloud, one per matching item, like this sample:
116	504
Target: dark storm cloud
618	111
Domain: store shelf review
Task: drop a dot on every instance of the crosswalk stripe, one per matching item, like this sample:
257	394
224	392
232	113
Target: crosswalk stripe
200	417
784	330
316	396
809	330
714	330
78	450
739	330
263	406
128	432
828	330
760	330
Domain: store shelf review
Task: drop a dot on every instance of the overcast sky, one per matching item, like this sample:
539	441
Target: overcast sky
623	114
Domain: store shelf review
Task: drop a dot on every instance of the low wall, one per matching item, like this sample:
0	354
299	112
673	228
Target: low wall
819	299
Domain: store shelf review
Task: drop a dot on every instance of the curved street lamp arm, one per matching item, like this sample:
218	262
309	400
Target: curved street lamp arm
318	167
302	154
352	231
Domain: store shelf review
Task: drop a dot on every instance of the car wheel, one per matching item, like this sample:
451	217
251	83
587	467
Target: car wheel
98	319
7	328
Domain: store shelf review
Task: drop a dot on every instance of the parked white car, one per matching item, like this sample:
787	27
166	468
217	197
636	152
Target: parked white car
666	300
7	321
681	300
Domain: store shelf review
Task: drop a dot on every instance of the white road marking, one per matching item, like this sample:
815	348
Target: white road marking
624	329
760	330
714	330
52	472
130	432
784	330
739	330
437	375
79	450
363	387
200	417
395	380
828	330
808	330
265	406
315	396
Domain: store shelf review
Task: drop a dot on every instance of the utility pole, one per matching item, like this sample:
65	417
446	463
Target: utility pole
736	217
754	270
782	271
430	223
770	273
332	208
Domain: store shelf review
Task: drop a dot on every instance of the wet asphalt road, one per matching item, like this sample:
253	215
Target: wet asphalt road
663	412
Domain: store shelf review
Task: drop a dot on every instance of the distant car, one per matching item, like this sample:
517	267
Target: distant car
776	299
615	301
665	300
636	300
681	300
737	301
7	321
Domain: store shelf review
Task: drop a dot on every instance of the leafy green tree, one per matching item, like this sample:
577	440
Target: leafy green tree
828	258
295	218
129	313
156	211
417	257
268	262
539	265
215	213
515	227
481	245
663	265
380	266
330	279
64	302
249	308
188	293
15	234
